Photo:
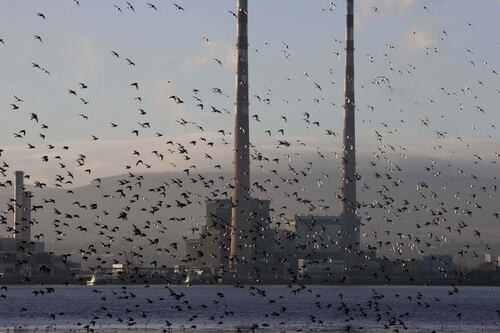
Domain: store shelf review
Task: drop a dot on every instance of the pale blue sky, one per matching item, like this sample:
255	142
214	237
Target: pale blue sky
171	58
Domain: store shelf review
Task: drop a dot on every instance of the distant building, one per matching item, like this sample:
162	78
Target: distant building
211	249
308	243
11	245
316	234
438	263
322	244
487	258
22	258
17	252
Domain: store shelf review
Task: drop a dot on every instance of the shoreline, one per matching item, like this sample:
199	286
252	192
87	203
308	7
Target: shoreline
312	283
235	329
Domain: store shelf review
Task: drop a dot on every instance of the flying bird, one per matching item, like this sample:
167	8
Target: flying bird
152	6
176	99
178	7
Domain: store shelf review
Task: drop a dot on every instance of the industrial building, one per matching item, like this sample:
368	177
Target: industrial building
310	244
438	263
318	245
22	259
237	237
212	248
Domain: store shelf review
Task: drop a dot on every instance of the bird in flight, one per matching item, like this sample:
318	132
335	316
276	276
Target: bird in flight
130	6
152	6
178	7
176	99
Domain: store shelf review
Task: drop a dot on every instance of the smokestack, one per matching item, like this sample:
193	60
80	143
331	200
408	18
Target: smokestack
18	208
240	249
25	232
349	149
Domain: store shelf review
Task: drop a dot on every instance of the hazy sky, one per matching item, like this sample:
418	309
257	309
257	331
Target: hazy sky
406	50
427	97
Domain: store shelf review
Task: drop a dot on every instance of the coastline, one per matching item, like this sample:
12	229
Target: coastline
237	329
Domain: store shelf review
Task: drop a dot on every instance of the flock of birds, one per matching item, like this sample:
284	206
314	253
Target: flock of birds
285	174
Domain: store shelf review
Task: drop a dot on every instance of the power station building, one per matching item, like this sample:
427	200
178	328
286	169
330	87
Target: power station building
324	234
16	251
21	258
237	237
309	244
212	248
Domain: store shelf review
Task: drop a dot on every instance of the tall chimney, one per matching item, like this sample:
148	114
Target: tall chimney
25	232
349	149
18	208
240	224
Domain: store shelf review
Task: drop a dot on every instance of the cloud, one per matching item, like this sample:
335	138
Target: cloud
109	157
424	34
419	40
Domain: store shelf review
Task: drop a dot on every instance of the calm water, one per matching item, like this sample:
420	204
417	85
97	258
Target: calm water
275	308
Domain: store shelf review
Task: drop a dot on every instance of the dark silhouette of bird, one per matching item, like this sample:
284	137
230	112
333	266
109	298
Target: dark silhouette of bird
176	99
152	6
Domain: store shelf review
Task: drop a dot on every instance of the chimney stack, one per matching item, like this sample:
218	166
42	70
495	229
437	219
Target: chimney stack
350	220
25	232
18	208
240	250
22	211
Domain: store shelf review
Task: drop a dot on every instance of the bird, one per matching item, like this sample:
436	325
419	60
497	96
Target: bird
152	6
176	99
130	6
178	7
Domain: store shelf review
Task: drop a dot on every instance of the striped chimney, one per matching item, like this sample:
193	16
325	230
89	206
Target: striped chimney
240	249
349	149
